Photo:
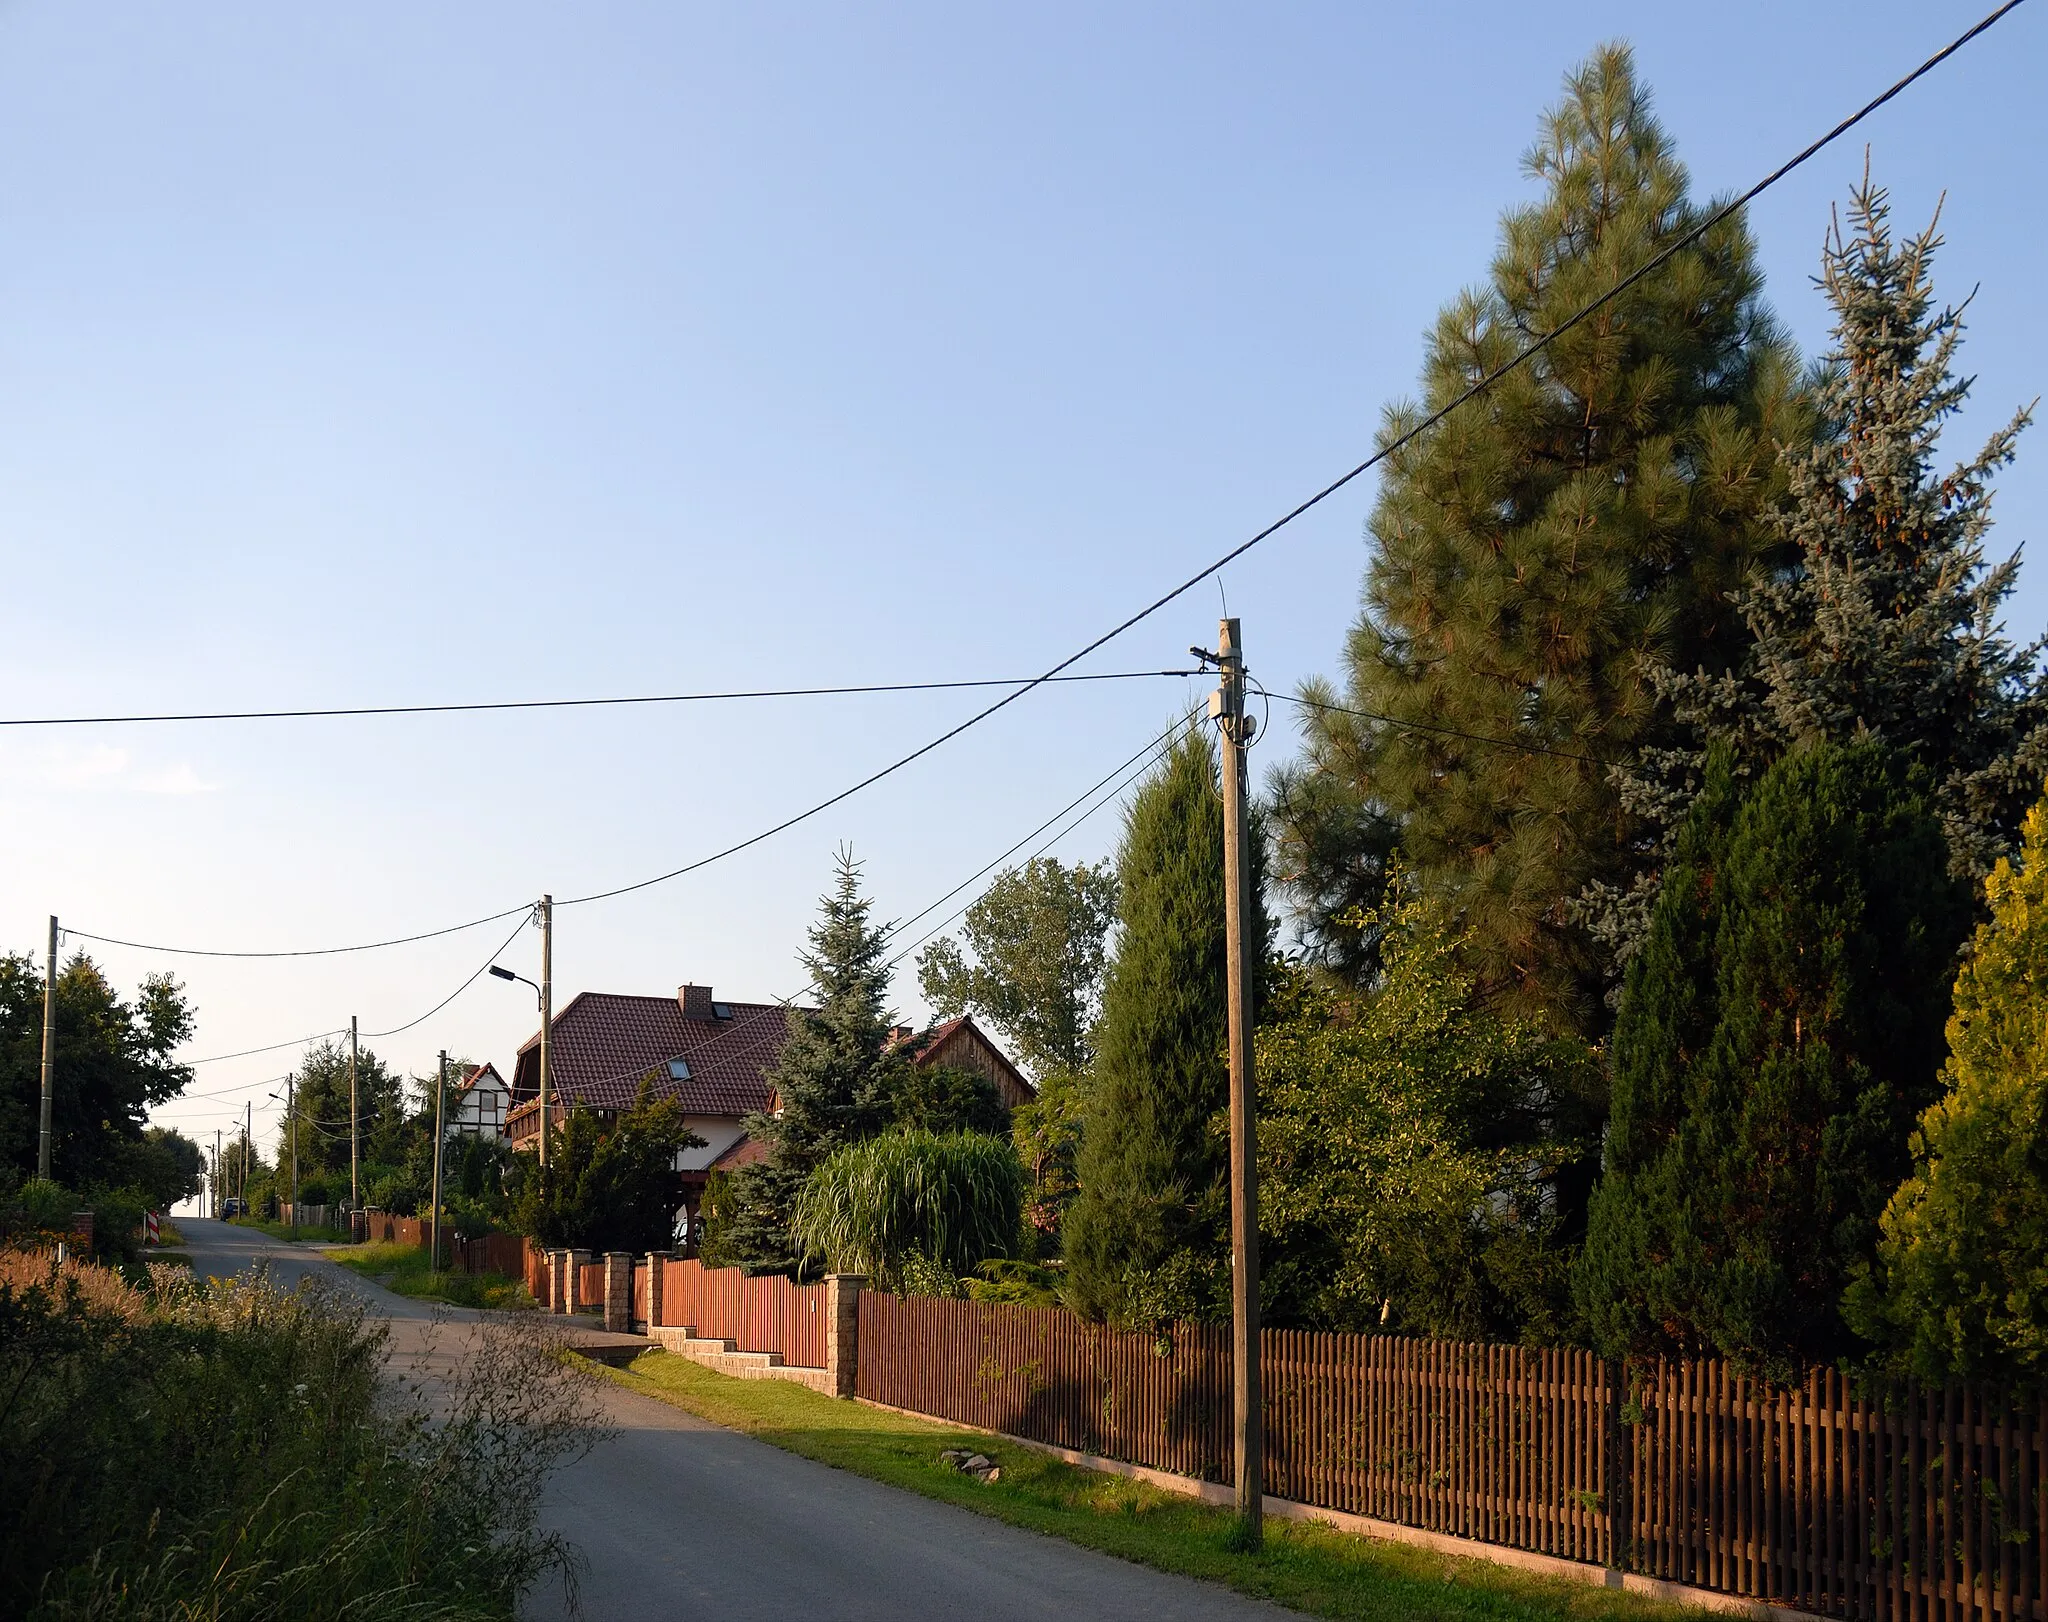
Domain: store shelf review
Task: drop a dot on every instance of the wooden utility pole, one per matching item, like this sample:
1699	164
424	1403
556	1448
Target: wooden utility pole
1226	705
214	1185
440	1093
49	1052
547	1009
248	1144
291	1127
355	1116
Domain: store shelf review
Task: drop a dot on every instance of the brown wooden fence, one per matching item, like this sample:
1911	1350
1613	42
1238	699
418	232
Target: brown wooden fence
767	1314
1929	1505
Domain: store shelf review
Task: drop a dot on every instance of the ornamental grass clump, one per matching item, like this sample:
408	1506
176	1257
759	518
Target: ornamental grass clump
876	1208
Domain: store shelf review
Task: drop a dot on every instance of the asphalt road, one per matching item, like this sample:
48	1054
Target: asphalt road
677	1518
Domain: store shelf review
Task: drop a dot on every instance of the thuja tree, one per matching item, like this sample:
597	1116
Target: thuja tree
1778	1035
1145	1236
1540	551
1960	1287
836	1082
1882	618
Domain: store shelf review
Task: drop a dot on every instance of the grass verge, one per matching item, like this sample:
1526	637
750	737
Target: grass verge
1310	1568
297	1236
403	1270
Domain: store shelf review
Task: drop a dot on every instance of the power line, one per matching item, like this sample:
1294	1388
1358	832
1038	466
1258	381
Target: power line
312	951
459	990
1534	347
296	1042
565	703
1449	732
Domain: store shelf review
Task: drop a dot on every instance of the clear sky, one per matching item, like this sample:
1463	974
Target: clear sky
404	352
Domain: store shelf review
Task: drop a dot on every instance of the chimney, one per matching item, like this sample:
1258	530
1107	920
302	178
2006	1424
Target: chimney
696	1002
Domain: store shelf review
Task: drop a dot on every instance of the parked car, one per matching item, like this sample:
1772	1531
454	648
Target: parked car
230	1208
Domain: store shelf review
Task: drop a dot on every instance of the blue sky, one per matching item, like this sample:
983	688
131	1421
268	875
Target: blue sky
428	352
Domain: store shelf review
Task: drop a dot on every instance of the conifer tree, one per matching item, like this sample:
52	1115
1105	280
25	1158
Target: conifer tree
1883	619
836	1081
1778	1034
1145	1236
1960	1289
1540	552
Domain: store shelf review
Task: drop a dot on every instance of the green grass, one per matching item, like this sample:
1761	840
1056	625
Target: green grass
403	1270
1311	1568
297	1236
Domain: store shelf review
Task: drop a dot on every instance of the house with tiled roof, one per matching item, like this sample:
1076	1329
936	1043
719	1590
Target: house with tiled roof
479	1101
711	1055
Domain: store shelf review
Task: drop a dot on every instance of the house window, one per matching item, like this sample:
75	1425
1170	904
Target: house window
679	1069
721	1010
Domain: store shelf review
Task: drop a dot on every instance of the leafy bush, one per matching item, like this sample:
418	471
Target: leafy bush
913	1203
225	1451
609	1187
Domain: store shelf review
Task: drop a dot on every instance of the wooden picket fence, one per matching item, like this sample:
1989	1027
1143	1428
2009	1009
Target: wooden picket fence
767	1314
1924	1504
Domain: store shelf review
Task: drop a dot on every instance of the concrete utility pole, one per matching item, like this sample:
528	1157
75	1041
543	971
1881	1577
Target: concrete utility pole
440	1094
547	1010
49	1052
213	1183
1226	706
355	1196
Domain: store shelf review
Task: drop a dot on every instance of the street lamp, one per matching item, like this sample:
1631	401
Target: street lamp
540	1001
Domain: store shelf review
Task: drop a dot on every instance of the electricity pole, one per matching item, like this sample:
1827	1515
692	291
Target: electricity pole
49	1053
213	1186
1226	705
355	1197
440	1093
291	1126
547	1009
248	1143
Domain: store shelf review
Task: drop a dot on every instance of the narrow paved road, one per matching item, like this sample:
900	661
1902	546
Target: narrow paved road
677	1518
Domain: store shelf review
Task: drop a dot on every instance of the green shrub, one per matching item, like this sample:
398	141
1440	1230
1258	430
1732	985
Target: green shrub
915	1204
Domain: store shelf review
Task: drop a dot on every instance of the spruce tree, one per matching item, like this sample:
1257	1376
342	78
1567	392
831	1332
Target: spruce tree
1539	552
1960	1289
836	1081
1882	617
1146	1235
1778	1034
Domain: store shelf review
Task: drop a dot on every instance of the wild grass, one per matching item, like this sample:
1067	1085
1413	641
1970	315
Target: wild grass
1308	1567
230	1451
403	1270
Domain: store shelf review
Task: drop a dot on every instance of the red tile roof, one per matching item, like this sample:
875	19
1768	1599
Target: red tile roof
605	1043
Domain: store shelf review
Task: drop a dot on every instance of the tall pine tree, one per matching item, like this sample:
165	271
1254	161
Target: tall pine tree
1778	1034
1538	553
1883	618
1146	1235
836	1081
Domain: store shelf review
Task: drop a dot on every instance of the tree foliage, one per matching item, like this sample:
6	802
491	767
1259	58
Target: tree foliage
609	1185
836	1082
950	1199
1034	961
113	1065
1960	1289
1541	551
1410	1142
1883	620
1778	1034
1145	1235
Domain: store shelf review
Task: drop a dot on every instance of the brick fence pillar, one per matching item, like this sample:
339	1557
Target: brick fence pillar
618	1291
561	1282
578	1259
842	1331
654	1260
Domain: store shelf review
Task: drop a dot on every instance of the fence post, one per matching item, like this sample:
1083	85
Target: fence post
842	1331
558	1281
578	1260
618	1291
654	1260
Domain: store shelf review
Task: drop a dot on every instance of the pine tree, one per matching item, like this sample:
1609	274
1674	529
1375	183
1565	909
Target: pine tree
1884	619
1960	1289
1541	551
1778	1034
1145	1235
836	1081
